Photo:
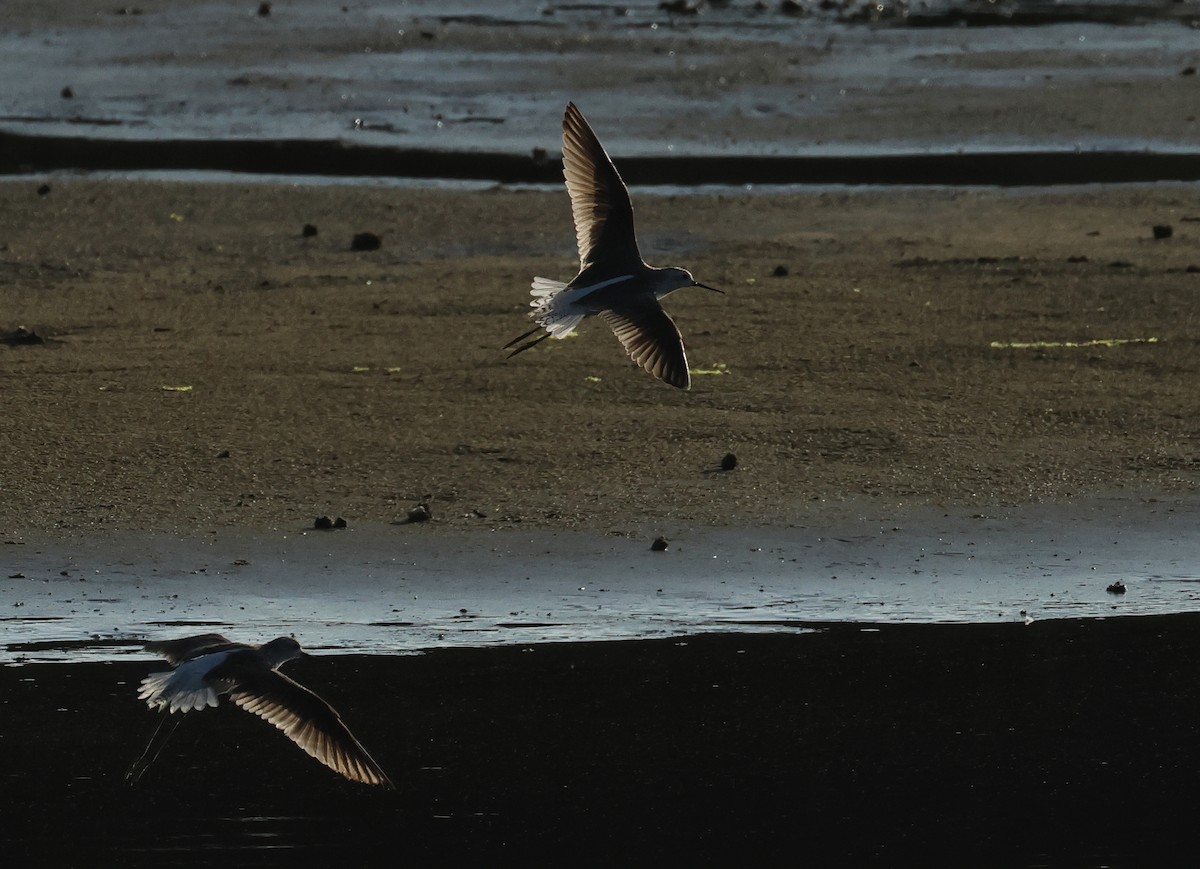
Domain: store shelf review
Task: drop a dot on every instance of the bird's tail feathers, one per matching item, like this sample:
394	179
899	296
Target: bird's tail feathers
554	309
166	691
542	287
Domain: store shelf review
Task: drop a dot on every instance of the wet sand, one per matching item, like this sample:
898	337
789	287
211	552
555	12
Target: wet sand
1062	743
207	366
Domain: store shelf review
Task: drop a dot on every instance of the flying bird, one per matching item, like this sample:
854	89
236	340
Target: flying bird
208	666
614	281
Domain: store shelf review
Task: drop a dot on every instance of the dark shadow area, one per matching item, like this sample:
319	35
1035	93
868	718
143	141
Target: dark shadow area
1061	743
24	154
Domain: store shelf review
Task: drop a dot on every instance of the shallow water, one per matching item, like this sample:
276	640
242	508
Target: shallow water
397	589
731	80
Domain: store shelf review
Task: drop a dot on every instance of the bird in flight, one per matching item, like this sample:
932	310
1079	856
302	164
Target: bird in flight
614	281
205	667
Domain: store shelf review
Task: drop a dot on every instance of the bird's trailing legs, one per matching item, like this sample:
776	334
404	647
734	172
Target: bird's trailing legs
526	346
153	748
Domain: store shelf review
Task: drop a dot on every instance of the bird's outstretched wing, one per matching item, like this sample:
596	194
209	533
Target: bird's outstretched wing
652	340
599	200
311	723
177	651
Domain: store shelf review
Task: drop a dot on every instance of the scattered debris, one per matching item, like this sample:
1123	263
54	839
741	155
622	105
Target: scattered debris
21	336
660	544
680	7
366	241
420	513
1045	345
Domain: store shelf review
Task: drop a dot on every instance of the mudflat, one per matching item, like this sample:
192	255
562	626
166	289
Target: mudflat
206	363
201	362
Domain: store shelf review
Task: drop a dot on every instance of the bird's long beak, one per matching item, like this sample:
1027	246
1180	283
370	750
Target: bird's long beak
707	287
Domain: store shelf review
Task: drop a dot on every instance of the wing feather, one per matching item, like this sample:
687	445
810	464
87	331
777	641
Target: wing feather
599	199
177	651
652	340
311	723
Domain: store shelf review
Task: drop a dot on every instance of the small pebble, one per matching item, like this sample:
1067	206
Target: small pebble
366	241
1162	231
728	462
659	545
309	231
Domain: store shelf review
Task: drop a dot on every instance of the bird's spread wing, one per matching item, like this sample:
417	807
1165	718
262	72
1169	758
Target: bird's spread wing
187	648
311	723
599	201
652	340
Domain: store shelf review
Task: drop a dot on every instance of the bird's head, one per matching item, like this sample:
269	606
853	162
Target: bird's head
672	279
281	650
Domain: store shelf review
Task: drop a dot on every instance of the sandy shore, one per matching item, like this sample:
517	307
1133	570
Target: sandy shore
1065	743
208	366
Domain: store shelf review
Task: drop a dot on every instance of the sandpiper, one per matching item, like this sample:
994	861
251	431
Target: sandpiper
207	666
613	281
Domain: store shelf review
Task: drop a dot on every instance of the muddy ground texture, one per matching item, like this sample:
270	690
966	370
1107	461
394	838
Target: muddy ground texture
207	362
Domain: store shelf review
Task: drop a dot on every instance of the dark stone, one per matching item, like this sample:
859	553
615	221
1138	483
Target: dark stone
365	241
